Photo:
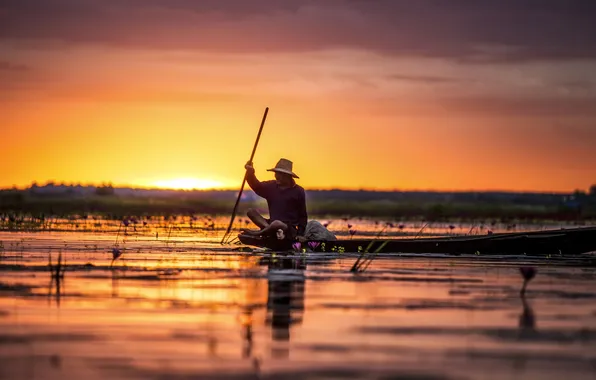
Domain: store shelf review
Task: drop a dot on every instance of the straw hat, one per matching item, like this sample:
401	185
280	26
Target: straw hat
284	166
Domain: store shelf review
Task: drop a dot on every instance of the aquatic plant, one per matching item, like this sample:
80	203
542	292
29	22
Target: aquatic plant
363	260
338	248
297	246
116	253
118	234
169	233
422	229
472	229
527	273
385	226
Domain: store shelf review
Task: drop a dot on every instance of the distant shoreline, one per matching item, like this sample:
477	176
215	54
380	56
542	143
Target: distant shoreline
431	205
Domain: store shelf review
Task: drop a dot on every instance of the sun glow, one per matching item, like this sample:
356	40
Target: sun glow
188	184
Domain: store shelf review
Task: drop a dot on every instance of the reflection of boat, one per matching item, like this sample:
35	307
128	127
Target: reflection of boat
564	241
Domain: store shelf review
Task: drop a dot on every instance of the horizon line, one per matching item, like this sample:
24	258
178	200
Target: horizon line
222	189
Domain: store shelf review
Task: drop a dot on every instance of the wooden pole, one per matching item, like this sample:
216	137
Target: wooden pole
254	149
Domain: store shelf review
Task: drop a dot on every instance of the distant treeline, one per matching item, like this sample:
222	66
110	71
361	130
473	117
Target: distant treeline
112	202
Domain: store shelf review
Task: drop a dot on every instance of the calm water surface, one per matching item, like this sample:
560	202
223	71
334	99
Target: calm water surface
190	308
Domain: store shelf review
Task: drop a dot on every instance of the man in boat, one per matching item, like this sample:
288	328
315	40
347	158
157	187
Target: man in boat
286	202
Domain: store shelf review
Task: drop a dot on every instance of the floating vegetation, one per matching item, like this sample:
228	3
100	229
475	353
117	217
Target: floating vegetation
527	273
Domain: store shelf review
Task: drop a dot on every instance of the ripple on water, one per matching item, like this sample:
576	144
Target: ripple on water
46	337
19	289
552	335
416	304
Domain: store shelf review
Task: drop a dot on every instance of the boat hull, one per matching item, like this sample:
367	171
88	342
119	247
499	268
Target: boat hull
554	242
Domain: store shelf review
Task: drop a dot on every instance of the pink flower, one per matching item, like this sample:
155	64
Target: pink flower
352	232
297	246
116	253
125	222
313	244
349	226
527	273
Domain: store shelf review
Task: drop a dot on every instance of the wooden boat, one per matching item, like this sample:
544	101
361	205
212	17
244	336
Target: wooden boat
571	241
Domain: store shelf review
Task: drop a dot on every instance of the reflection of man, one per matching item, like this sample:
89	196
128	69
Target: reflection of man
285	301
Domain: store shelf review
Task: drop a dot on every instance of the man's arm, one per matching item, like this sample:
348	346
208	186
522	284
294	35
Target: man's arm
257	186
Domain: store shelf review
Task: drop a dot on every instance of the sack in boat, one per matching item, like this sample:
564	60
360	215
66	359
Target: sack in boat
316	231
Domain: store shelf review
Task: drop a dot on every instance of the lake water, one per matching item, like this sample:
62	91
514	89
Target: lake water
187	307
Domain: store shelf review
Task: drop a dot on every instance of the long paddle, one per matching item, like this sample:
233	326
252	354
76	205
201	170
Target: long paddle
254	149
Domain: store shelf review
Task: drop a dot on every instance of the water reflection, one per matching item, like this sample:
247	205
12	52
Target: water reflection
285	301
55	289
246	320
56	279
527	320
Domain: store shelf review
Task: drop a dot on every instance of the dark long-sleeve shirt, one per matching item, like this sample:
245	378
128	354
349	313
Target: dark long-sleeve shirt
285	204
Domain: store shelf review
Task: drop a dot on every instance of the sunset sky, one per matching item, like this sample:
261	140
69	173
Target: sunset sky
376	94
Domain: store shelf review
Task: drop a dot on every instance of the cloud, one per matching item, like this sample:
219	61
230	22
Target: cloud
487	31
546	107
9	66
424	79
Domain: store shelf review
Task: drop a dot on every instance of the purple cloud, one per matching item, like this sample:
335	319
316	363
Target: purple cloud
504	31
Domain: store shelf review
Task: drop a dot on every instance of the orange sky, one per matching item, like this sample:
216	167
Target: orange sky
122	109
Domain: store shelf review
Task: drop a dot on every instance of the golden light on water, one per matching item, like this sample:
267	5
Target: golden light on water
188	183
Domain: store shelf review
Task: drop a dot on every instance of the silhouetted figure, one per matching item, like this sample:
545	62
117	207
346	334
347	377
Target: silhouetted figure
286	201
